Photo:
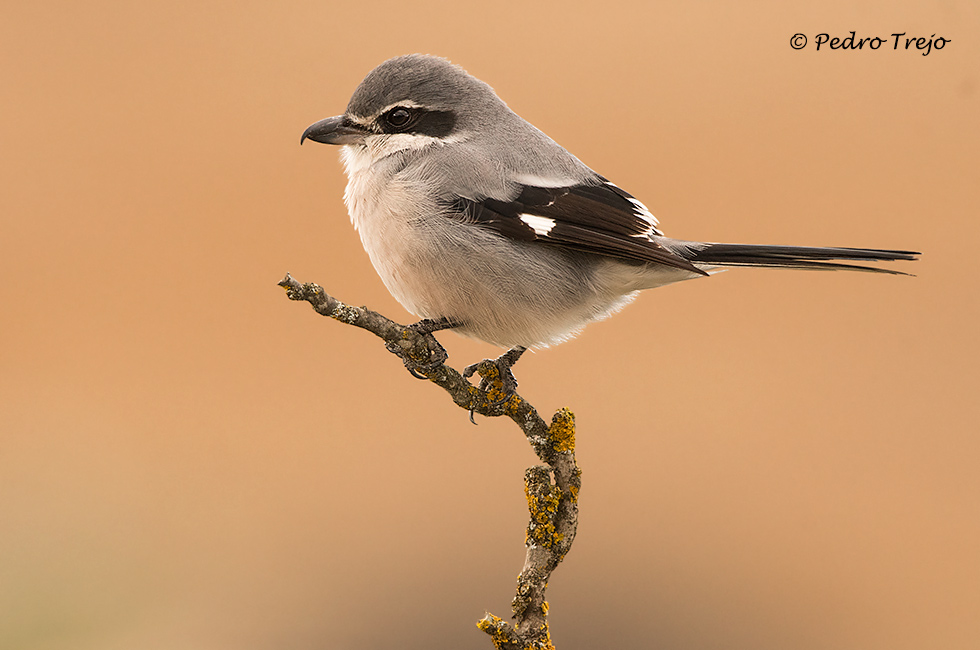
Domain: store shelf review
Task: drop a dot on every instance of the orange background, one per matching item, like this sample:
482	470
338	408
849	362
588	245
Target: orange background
771	459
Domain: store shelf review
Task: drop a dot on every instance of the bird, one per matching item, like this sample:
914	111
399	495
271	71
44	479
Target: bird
479	222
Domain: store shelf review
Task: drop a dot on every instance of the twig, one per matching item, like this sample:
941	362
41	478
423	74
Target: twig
551	489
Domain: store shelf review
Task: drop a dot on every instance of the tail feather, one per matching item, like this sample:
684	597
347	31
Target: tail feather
792	257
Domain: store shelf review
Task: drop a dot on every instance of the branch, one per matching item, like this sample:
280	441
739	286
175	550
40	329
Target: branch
551	489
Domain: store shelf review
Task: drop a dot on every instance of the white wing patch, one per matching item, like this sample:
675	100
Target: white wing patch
540	181
540	225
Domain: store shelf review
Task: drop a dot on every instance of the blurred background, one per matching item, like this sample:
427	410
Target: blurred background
772	459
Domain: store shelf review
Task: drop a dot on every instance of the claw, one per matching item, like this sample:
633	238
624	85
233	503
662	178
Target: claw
493	372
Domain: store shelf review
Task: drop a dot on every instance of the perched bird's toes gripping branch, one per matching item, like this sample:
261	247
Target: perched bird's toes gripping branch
551	489
421	353
496	375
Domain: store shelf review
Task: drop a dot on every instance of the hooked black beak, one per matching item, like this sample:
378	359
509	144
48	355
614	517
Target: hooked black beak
335	130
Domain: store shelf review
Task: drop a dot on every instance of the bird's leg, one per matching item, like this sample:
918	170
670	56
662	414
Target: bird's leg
434	353
428	325
496	370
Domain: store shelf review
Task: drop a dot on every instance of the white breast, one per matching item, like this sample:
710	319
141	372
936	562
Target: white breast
385	212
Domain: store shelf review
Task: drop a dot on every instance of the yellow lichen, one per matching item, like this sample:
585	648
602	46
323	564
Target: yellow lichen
512	405
543	643
542	507
494	626
562	431
489	623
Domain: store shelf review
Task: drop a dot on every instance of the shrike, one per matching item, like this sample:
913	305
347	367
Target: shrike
477	221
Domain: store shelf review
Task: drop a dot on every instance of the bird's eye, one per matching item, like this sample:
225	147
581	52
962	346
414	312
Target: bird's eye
398	117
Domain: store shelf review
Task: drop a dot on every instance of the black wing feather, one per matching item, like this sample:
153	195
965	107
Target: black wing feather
600	219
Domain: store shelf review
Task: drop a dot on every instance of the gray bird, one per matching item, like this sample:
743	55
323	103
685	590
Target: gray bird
477	221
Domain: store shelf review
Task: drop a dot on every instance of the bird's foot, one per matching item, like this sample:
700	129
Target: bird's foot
497	382
421	353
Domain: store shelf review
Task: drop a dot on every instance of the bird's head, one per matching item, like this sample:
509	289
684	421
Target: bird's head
410	102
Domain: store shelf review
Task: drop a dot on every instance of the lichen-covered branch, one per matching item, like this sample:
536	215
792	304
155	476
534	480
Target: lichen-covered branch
551	489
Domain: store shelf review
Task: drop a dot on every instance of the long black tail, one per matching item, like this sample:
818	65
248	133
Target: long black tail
792	257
